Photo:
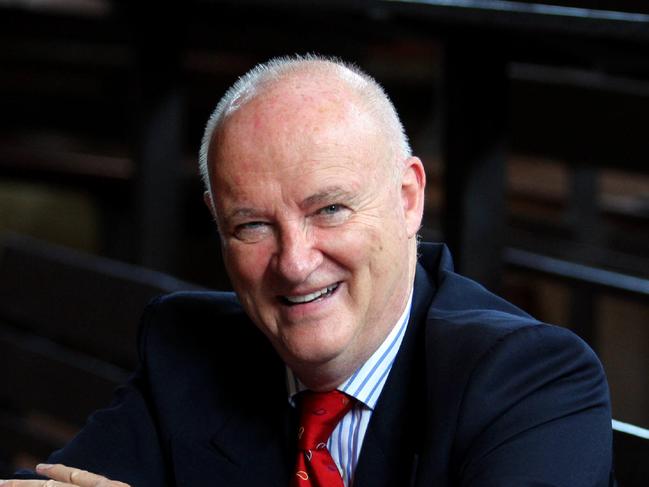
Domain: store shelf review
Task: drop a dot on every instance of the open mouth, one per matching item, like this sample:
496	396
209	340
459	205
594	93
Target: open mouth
311	297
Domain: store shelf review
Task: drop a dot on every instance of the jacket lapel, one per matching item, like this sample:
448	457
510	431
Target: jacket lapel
242	434
258	441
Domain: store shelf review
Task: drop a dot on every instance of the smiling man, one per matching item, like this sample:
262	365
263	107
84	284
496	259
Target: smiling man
350	354
318	216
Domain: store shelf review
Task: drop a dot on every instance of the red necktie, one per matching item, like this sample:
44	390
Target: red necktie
320	412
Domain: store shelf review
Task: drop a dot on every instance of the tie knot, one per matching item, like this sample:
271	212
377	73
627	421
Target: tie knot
320	412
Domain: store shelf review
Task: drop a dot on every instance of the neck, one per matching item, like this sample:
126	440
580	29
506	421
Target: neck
330	374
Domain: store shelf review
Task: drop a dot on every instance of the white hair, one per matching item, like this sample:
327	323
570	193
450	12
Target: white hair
371	95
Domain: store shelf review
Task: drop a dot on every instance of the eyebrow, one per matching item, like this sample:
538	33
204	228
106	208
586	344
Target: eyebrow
242	213
327	195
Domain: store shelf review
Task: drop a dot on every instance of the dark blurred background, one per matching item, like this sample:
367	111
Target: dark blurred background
531	118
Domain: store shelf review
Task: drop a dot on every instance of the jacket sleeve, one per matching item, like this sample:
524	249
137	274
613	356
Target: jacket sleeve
535	412
119	442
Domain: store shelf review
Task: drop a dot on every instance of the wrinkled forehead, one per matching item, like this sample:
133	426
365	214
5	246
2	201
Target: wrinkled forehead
296	106
296	118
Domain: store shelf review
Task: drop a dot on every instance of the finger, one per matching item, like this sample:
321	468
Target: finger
70	475
75	476
33	483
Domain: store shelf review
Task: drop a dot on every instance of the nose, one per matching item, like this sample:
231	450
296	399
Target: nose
297	255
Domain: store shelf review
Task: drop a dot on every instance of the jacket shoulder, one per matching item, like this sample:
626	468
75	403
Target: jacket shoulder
512	395
196	302
205	321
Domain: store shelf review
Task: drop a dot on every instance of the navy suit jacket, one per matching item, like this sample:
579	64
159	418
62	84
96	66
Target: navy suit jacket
480	394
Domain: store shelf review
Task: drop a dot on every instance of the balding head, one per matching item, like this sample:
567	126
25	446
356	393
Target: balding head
331	75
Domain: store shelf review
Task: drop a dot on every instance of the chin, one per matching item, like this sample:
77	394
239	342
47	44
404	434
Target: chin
314	351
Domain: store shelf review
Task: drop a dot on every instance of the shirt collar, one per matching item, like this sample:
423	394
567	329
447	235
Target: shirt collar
366	384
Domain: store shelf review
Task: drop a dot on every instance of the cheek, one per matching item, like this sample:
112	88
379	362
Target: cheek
373	254
347	245
246	265
358	250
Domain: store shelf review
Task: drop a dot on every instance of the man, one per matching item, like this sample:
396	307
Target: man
318	201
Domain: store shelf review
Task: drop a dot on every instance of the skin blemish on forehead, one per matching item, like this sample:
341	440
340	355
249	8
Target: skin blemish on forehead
257	121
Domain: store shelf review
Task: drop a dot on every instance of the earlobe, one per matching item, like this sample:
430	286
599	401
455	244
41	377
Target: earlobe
413	185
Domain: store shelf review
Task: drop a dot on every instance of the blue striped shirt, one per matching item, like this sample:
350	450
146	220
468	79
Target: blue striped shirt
365	385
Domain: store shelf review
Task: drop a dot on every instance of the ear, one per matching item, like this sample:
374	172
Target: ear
413	185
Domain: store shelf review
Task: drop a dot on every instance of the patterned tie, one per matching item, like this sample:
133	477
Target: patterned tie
320	412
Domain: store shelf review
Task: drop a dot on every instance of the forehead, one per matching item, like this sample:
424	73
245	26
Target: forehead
292	111
298	128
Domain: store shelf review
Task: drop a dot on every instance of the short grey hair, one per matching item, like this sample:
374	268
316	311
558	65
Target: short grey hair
371	95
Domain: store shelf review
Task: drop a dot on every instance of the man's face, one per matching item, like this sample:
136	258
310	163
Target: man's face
316	231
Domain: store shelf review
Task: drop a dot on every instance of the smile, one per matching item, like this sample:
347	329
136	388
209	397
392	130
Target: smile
308	298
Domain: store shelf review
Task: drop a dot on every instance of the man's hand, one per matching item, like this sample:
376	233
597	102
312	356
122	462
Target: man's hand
62	476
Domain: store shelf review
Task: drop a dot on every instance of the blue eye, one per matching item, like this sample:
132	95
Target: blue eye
331	209
332	215
251	225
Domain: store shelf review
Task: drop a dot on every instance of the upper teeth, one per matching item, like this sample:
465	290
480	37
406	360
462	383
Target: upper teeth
312	296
